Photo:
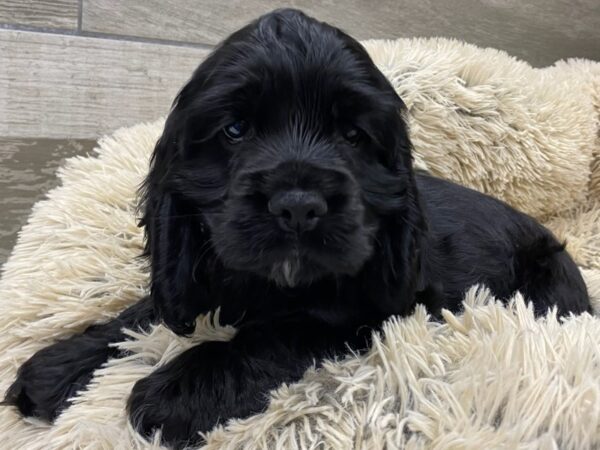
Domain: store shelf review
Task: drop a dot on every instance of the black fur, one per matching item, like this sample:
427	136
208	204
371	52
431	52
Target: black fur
48	380
319	117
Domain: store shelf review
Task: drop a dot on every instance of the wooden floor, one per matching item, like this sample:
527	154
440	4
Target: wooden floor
27	172
76	69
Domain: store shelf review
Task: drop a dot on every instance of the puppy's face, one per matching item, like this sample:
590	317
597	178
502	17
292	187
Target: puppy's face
292	148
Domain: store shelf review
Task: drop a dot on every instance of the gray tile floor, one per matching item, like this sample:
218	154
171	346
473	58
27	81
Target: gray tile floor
27	172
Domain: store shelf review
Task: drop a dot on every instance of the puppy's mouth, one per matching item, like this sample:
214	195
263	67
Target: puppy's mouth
305	257
295	260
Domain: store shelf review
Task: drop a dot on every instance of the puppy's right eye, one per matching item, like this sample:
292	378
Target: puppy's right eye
352	134
237	130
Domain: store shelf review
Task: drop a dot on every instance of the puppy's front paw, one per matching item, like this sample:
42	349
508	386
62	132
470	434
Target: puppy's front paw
153	407
204	386
47	380
180	321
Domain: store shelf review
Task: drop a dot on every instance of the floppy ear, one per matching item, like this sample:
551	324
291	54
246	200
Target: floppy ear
394	273
188	177
175	239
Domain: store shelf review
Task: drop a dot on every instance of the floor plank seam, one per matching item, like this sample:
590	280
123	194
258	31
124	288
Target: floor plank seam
105	36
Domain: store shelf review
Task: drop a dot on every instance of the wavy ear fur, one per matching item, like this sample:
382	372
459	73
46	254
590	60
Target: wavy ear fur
175	195
393	275
175	238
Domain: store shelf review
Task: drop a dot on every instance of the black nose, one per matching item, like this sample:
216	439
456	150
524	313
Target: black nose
298	210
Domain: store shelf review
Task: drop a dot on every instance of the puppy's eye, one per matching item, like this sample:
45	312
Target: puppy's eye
352	134
237	130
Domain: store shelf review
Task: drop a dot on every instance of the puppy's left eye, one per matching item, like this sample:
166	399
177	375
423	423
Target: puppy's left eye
237	130
352	134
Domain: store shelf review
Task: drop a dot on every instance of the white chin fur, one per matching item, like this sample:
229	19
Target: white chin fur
286	272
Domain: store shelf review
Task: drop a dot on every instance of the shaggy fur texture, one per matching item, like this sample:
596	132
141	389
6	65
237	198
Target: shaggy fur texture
363	401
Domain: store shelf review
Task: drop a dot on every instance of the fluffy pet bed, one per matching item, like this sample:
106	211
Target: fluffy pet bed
492	377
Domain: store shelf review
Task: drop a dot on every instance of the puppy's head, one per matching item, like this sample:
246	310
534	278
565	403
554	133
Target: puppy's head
289	147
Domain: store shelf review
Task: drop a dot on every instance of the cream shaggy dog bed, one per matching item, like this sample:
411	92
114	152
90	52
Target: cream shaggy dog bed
492	377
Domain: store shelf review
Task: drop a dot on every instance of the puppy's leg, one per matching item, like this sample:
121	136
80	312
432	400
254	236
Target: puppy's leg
216	381
47	380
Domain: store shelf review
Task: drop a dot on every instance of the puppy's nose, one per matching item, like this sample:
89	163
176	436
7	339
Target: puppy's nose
298	210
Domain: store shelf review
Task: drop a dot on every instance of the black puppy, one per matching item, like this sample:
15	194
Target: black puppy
282	191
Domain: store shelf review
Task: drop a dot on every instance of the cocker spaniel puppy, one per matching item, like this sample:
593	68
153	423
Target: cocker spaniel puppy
282	191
